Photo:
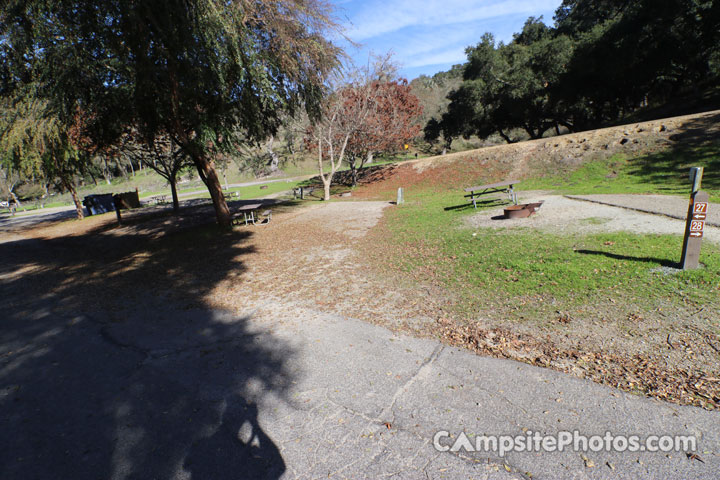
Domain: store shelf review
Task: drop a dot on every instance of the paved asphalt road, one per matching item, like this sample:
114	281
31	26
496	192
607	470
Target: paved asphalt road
157	392
8	223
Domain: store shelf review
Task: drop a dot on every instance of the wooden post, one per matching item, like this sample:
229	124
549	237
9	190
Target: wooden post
400	198
695	223
117	202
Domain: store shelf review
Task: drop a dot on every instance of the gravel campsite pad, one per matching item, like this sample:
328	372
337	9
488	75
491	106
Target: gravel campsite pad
579	216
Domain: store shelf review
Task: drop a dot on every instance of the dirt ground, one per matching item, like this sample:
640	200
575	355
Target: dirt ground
316	256
332	257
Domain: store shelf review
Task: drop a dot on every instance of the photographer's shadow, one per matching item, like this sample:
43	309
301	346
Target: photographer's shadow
239	448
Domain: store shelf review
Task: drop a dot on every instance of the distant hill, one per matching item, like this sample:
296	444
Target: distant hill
670	142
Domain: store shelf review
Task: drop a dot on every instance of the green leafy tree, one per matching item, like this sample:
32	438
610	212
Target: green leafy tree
37	144
509	87
601	61
199	71
631	54
161	155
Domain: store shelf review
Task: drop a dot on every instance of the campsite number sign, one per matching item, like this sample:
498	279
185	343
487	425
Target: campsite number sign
697	214
697	224
696	228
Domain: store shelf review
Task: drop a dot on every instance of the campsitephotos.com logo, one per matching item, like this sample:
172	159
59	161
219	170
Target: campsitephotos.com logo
530	441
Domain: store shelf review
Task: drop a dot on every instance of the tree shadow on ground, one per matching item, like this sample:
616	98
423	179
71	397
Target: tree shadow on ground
113	365
698	144
663	262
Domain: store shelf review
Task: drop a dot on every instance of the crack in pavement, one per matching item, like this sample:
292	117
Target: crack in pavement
422	371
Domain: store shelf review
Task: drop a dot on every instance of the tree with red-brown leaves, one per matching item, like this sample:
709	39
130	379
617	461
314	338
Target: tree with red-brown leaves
372	112
393	121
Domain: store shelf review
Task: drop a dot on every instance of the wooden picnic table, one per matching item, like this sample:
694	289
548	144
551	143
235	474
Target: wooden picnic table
248	212
159	199
505	187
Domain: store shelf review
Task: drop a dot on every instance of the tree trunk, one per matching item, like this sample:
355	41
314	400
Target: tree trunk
15	198
535	134
106	171
274	162
172	180
326	188
352	162
505	137
46	193
208	174
76	199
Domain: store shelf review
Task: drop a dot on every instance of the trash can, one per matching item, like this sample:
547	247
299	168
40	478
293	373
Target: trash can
97	204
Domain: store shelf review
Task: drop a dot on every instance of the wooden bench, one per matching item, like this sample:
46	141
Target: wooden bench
504	187
267	214
231	195
300	192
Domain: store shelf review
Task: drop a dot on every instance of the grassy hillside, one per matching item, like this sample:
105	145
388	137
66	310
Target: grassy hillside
651	157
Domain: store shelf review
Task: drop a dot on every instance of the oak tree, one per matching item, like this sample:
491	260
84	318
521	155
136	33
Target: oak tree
197	70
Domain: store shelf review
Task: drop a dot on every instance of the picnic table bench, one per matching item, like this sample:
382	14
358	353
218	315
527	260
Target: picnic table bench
231	195
504	187
159	199
300	192
248	214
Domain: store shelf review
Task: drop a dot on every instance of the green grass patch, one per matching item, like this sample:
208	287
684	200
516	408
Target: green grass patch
523	267
254	191
664	172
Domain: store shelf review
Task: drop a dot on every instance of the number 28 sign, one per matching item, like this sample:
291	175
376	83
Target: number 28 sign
697	226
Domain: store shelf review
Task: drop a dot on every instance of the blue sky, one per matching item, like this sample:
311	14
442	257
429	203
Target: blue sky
430	36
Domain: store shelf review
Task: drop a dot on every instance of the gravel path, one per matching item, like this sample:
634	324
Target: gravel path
580	216
674	207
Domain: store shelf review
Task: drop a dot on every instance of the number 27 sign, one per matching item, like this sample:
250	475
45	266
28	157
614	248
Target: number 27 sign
700	207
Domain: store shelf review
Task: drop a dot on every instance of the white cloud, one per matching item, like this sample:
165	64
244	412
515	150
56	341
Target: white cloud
451	56
420	41
380	17
431	34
